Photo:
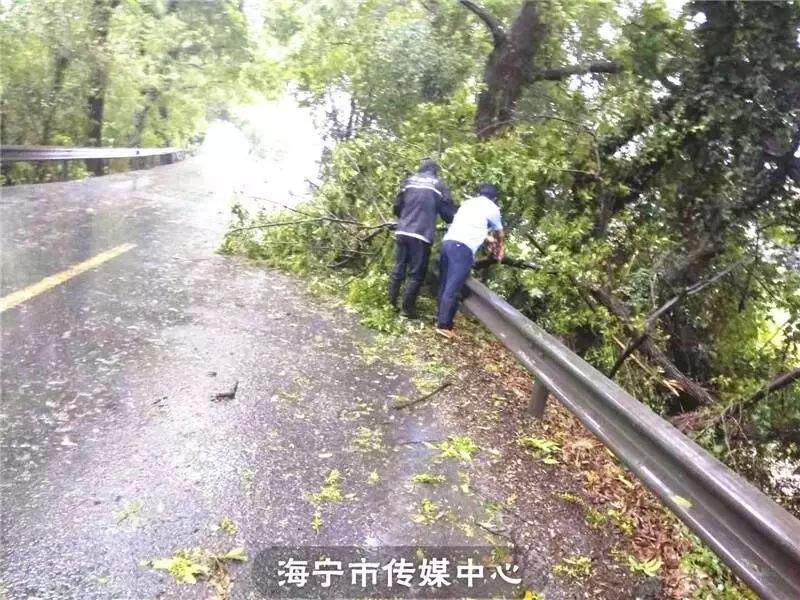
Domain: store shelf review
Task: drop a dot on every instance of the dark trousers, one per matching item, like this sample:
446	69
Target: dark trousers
455	264
411	256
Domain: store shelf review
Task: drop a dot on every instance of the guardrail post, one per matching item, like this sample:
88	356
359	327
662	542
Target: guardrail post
538	400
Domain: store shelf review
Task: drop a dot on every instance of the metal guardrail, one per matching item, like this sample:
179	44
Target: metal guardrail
757	538
52	153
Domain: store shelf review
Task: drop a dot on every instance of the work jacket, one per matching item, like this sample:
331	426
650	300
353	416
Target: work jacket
422	197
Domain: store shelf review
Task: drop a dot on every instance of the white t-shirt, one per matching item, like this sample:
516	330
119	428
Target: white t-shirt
475	217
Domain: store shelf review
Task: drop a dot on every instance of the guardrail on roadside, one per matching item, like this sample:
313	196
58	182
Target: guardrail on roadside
50	153
758	539
141	158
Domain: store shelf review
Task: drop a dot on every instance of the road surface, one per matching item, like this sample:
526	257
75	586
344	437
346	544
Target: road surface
163	404
115	451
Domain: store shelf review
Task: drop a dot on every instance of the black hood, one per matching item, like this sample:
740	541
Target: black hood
429	166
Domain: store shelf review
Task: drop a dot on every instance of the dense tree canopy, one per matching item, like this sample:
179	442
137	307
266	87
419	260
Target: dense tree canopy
122	72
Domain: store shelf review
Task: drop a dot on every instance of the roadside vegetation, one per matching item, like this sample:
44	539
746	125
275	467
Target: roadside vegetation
118	73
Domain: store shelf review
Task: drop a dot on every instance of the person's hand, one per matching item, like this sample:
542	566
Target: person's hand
491	247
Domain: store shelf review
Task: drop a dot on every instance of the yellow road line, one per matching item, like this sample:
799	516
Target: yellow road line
52	281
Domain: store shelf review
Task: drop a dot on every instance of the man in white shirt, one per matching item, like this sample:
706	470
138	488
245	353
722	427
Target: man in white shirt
474	219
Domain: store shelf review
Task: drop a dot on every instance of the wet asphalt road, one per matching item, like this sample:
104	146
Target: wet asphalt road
113	451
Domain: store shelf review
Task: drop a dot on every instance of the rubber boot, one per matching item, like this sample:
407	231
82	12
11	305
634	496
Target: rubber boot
410	298
394	291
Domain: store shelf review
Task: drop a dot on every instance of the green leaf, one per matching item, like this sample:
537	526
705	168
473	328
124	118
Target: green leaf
235	554
681	501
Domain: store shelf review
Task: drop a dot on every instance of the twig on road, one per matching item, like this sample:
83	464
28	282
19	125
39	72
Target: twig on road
229	395
427	396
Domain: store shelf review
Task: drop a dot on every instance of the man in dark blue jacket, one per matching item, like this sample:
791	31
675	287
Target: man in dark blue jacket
422	197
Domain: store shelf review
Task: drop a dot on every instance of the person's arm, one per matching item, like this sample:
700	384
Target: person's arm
447	208
501	246
496	225
399	202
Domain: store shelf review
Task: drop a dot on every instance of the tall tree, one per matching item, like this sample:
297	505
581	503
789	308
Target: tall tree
106	72
100	24
511	66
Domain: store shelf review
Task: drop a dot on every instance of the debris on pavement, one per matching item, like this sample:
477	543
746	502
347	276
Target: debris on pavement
423	398
229	395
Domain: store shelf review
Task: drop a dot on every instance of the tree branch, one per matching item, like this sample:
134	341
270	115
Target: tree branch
653	317
677	378
776	383
537	117
507	261
768	182
794	170
564	72
282	205
313	220
352	254
498	33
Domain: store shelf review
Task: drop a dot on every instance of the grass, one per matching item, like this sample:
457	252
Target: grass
186	566
248	478
430	375
718	581
624	523
650	567
570	497
382	349
594	518
316	520
294	391
330	492
546	450
129	512
288	395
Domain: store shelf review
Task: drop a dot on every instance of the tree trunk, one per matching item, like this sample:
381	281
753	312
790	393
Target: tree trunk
102	11
510	66
509	69
693	394
59	71
140	117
